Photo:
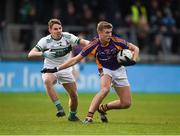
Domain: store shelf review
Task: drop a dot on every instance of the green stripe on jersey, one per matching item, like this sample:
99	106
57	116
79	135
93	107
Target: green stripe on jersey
78	41
38	48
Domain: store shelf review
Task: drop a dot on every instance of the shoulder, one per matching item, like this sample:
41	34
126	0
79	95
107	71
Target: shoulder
92	44
46	39
67	35
94	41
118	39
119	42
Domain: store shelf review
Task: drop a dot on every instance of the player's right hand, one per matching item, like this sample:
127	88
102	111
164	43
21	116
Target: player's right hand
128	62
47	70
49	54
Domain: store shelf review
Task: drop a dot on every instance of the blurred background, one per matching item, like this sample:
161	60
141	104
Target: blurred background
153	25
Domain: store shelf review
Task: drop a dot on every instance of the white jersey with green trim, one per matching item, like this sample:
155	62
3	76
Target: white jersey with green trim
62	47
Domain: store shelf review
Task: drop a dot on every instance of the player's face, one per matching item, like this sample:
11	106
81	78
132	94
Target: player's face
56	31
105	35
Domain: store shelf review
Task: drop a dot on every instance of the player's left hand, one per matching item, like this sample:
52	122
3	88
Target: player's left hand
49	54
47	70
128	62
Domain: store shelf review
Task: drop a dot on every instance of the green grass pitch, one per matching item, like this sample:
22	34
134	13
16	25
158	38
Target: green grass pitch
34	114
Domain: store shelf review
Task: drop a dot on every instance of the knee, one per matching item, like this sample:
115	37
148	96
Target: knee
47	82
126	104
73	95
104	91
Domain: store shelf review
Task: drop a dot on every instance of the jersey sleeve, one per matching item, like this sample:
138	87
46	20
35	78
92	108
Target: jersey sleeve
90	50
120	43
41	45
74	40
86	52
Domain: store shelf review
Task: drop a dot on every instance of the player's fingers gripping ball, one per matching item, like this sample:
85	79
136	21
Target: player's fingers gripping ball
124	57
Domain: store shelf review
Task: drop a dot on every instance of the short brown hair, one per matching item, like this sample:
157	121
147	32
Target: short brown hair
53	21
103	25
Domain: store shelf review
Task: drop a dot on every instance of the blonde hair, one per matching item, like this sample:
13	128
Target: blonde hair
53	21
103	25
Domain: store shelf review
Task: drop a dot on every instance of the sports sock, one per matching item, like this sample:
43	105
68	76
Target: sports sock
103	107
58	105
90	114
72	113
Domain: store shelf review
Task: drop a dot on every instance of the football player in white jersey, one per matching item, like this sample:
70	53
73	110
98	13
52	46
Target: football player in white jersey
56	48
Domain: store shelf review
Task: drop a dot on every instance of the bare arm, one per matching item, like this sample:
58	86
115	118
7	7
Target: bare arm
70	62
84	42
135	51
34	53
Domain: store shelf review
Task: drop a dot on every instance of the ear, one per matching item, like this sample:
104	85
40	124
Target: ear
49	29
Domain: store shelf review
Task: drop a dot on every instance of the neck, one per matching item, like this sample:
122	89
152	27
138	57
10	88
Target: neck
56	39
104	43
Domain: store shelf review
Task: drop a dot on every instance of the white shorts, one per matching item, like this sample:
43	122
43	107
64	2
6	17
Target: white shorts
64	76
119	76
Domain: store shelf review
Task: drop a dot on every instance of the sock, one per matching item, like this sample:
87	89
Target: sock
58	105
72	113
103	108
90	114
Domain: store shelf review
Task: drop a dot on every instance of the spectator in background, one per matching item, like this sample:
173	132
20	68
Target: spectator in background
162	28
111	7
118	20
168	29
176	13
27	15
2	35
56	13
87	14
102	16
155	17
139	24
71	16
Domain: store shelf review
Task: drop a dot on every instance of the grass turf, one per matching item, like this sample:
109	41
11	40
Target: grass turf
33	113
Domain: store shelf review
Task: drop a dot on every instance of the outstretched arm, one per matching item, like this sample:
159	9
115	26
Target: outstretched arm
65	65
84	42
72	61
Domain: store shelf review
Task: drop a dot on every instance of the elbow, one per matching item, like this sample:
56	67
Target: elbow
137	50
30	55
135	53
74	61
84	42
